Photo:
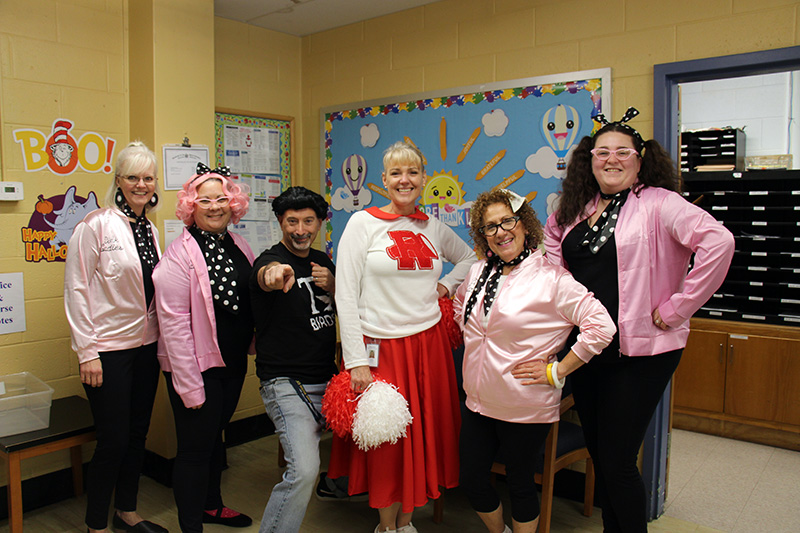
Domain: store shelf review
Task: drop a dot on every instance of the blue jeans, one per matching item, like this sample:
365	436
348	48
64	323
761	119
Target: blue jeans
299	434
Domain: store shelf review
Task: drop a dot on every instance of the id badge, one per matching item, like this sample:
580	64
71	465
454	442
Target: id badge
373	351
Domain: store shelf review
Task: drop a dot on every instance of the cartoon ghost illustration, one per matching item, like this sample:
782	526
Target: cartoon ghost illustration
354	172
69	215
560	126
61	148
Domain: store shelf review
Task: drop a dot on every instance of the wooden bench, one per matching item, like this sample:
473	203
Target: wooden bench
71	424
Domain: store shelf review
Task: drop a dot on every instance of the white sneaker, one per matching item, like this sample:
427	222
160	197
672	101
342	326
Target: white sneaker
407	529
387	530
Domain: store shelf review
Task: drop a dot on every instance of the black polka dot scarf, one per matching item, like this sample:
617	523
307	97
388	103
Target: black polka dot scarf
600	232
142	233
491	279
222	272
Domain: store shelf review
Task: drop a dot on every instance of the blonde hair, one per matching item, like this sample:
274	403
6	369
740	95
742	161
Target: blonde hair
403	153
133	159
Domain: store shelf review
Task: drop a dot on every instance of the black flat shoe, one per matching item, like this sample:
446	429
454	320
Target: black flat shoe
145	526
226	516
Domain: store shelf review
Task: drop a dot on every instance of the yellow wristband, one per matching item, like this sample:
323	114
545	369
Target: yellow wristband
549	374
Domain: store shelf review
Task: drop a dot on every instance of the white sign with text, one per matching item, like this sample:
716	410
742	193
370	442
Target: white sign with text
12	303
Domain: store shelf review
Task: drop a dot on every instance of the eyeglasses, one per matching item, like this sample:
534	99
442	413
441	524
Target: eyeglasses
623	154
208	203
133	180
507	224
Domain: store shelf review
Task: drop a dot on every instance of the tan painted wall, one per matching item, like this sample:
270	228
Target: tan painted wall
57	59
257	71
456	43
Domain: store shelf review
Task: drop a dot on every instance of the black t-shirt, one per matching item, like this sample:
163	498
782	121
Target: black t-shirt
598	273
296	330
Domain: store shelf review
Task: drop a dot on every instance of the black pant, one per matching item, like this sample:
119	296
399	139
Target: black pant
519	446
197	471
121	408
615	402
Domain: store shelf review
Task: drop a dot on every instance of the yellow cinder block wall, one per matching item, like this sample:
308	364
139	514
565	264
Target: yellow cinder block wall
456	43
58	59
258	71
69	58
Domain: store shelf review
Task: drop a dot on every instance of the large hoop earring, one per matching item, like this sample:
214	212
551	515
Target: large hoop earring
154	200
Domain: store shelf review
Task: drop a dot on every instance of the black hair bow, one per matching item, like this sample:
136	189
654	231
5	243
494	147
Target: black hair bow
222	171
629	114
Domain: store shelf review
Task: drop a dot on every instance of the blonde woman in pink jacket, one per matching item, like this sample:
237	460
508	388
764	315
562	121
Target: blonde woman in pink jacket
108	296
207	331
623	231
516	310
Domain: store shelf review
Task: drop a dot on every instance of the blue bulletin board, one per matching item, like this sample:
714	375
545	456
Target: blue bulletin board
516	134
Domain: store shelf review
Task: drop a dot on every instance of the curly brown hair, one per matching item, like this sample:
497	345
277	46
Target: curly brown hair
528	218
580	185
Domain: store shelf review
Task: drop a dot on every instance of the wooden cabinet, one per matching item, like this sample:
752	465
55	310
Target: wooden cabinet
740	372
700	378
740	380
763	378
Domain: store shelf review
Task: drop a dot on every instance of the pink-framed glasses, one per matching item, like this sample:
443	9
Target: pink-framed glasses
623	154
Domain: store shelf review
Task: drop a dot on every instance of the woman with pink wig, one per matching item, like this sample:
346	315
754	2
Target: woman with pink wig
206	333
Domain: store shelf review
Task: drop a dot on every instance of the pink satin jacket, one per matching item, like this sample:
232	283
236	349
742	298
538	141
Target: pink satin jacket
530	319
656	234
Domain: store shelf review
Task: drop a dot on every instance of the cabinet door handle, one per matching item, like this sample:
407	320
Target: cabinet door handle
730	355
721	354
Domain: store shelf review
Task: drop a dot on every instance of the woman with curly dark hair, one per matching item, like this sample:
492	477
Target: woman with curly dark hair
516	311
623	231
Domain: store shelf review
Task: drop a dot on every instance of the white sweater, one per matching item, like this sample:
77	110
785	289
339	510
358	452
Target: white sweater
387	269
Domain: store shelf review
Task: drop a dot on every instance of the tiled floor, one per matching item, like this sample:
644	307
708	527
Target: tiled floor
715	485
732	485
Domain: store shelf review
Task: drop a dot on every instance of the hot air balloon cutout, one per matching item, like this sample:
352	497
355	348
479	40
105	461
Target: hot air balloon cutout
560	126
354	172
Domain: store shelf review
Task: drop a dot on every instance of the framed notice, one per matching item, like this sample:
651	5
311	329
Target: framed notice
180	164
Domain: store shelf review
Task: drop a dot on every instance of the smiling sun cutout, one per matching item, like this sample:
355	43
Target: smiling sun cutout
443	189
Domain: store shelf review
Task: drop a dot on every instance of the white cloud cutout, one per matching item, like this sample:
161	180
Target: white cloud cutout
369	135
342	199
495	123
544	161
552	202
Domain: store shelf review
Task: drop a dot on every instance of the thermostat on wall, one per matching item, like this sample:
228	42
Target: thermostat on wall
11	190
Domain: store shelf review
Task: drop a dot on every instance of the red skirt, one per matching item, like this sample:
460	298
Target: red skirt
411	471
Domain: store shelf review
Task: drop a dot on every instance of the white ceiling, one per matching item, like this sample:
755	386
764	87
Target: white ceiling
304	17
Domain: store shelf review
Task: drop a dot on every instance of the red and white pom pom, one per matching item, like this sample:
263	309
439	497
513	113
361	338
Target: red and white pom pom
339	404
381	416
448	317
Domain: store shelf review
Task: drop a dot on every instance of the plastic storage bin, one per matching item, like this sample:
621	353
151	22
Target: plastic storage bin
24	403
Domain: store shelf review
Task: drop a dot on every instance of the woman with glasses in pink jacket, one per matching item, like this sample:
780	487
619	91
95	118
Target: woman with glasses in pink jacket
108	295
206	333
623	231
516	310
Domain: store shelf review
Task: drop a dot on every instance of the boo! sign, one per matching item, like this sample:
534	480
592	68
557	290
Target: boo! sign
62	153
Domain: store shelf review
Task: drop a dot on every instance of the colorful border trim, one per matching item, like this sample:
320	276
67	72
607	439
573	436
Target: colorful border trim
221	119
